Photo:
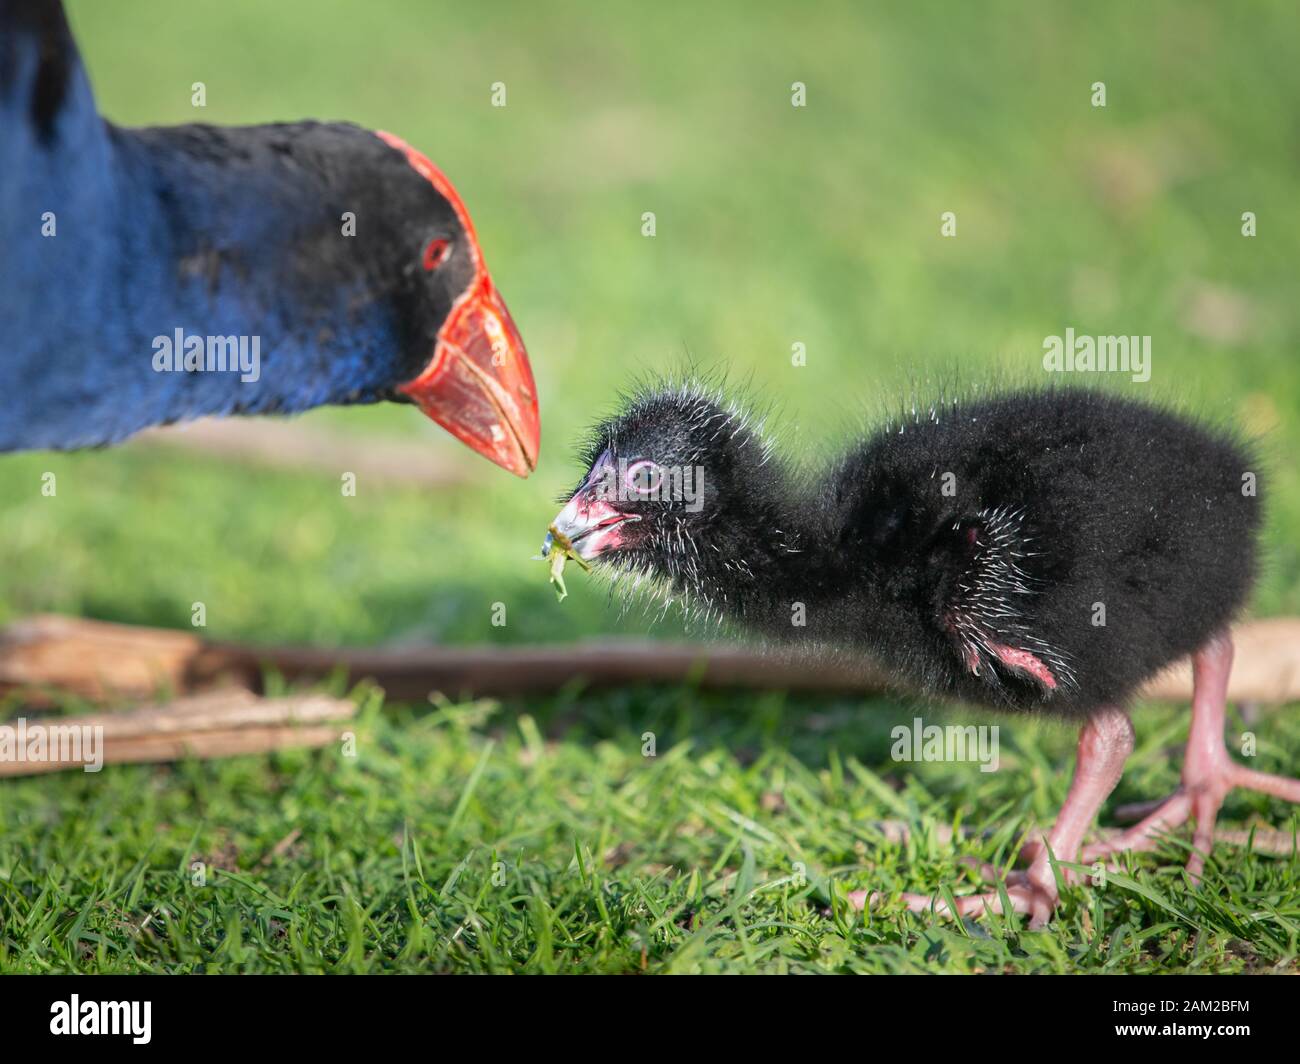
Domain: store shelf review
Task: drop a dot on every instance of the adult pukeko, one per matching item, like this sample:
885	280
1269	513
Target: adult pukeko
154	275
1042	551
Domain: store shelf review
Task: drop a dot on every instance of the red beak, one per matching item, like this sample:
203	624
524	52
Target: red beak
479	385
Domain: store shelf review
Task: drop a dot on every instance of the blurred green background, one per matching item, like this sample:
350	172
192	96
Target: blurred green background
775	225
533	835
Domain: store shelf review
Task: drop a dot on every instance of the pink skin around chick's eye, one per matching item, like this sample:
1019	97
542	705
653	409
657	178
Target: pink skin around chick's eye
643	477
436	253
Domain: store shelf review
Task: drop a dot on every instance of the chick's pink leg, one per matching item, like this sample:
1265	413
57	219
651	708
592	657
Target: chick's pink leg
1105	742
1209	773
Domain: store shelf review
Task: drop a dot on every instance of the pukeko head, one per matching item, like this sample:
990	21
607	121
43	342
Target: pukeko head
338	263
1034	550
474	379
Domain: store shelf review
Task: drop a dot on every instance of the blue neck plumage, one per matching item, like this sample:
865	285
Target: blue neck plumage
137	288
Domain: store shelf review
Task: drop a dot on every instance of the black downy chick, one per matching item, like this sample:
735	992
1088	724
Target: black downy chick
1041	551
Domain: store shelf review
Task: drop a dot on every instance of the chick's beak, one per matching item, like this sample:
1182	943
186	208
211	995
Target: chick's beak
589	521
479	385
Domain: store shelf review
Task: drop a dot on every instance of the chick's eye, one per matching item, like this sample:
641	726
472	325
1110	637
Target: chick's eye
643	477
436	252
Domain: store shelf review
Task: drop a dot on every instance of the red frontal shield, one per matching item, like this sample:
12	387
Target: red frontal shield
478	385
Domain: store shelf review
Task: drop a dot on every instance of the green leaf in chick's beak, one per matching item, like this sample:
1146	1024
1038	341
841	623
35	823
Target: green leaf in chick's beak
558	550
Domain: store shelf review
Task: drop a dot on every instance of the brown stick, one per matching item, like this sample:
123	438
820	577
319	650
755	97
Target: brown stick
98	660
217	724
200	745
94	660
216	711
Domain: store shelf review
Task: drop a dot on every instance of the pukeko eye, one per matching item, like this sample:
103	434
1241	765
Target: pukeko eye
643	477
436	252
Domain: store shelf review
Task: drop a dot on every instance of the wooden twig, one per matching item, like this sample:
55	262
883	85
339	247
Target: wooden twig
94	660
217	724
99	661
216	711
199	745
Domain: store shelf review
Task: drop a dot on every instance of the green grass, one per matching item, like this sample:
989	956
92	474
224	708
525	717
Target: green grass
492	838
775	225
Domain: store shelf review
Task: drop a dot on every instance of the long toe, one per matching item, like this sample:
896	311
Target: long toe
1037	900
990	873
1199	799
1170	814
1205	807
1278	786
